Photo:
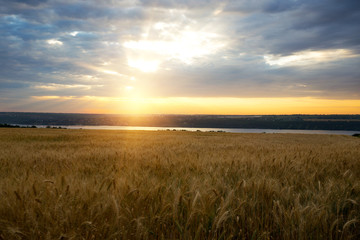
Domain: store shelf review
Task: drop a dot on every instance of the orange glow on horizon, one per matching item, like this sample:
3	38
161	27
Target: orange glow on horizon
220	106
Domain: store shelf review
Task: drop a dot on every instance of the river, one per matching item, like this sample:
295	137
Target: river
231	130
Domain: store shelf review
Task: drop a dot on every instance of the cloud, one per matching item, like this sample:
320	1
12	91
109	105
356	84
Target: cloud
185	48
266	6
309	58
89	10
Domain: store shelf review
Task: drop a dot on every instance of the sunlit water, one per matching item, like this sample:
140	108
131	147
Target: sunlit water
231	130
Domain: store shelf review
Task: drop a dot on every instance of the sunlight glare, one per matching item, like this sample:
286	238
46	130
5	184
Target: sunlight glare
146	66
173	42
185	47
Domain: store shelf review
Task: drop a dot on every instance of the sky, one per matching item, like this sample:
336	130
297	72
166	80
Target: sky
180	57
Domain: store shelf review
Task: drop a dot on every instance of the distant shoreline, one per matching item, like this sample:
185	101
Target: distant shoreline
224	130
272	122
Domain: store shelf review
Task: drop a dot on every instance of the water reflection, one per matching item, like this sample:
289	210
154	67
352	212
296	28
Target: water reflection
231	130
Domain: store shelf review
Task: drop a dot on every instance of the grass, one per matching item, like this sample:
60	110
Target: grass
92	184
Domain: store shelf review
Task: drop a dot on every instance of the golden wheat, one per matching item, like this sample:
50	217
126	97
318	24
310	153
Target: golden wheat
92	184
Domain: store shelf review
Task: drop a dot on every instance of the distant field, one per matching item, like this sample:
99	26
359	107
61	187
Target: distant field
92	184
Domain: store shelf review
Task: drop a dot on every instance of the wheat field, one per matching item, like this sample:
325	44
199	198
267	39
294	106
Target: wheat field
93	184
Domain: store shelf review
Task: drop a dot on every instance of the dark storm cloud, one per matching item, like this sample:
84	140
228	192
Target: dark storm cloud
180	4
19	6
65	42
85	10
24	2
290	26
14	26
267	6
